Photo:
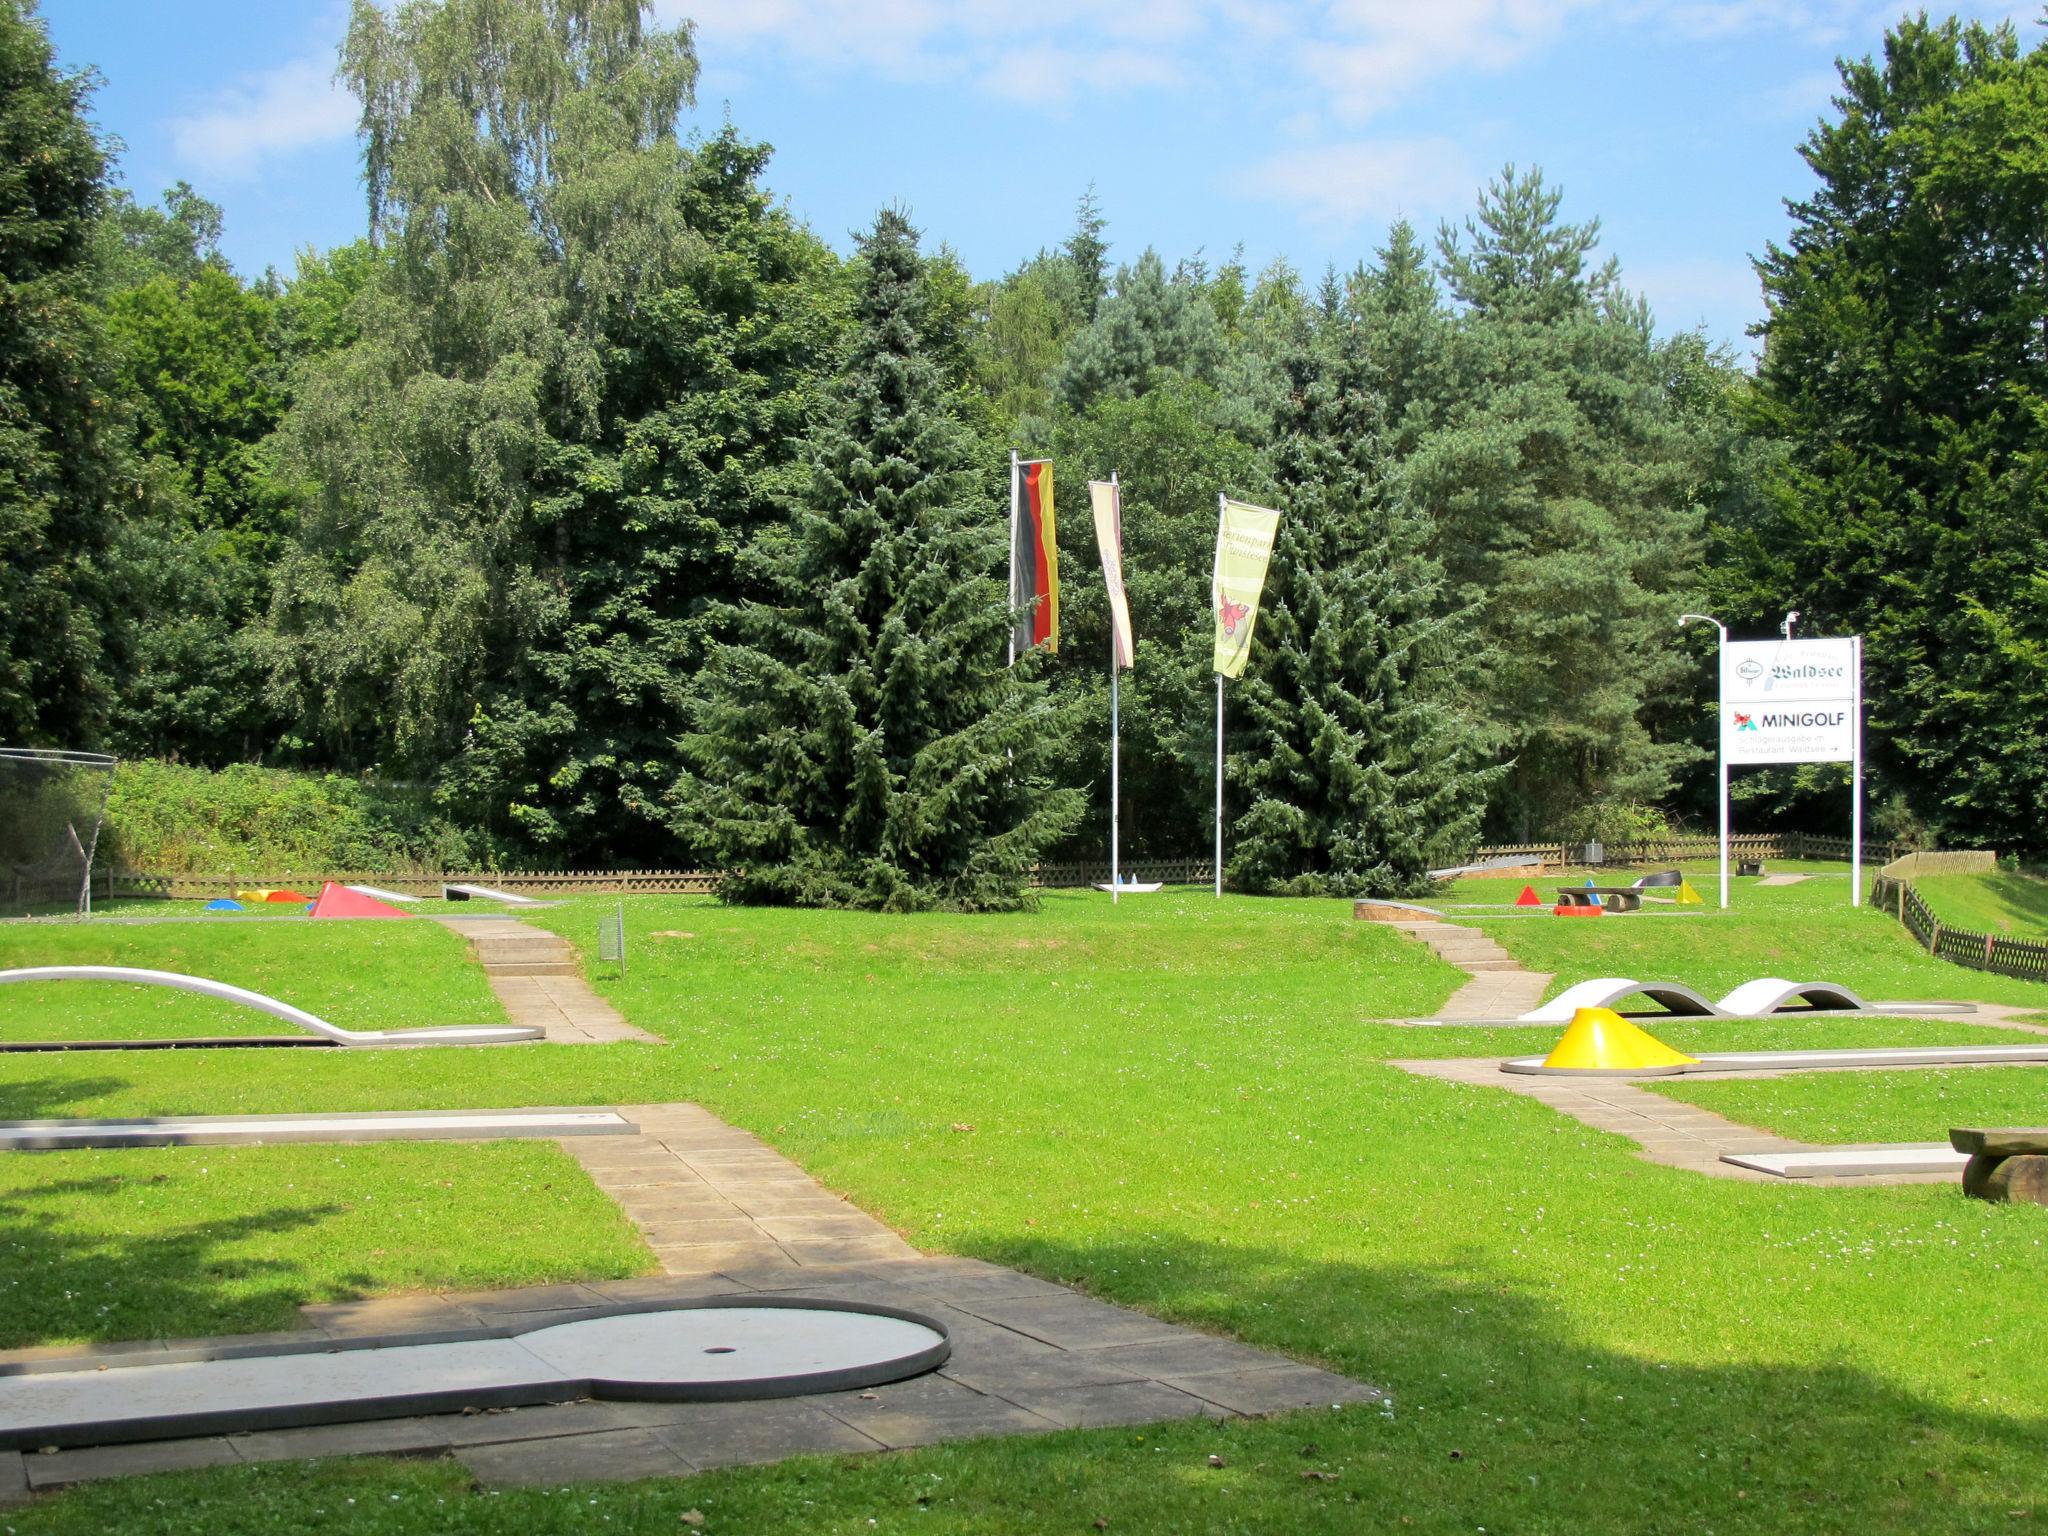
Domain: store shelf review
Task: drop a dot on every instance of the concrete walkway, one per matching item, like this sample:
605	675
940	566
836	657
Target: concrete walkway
1669	1132
727	1215
536	976
1499	988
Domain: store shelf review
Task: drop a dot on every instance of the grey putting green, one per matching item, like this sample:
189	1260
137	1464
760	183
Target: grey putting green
234	1130
221	991
718	1350
1806	1061
1853	1162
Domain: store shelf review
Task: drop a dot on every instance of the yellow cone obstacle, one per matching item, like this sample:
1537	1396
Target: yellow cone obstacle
1687	896
1601	1040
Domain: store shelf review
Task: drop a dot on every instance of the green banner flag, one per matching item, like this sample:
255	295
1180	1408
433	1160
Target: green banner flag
1244	543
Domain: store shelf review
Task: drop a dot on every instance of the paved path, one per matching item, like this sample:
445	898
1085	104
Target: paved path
1499	988
1669	1132
537	978
729	1216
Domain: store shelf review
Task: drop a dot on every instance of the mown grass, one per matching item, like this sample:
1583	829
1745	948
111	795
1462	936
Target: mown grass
180	1241
1874	1106
1806	932
1186	1106
2003	903
360	975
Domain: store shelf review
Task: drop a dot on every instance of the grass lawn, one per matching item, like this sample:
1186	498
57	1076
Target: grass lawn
182	1241
1874	1106
2002	903
360	975
1186	1106
1805	932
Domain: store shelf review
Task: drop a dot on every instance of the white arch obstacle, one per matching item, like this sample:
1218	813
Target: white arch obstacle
1606	991
220	991
1757	999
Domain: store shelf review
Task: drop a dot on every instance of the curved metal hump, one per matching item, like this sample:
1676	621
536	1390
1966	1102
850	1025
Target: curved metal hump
1606	991
220	991
1770	994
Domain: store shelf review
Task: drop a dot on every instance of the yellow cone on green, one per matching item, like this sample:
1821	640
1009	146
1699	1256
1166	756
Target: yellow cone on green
1687	896
1601	1040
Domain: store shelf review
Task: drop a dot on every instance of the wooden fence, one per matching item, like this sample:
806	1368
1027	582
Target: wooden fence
2025	958
1672	850
1080	873
626	882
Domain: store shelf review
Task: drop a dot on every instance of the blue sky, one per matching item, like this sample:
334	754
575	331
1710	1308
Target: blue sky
1295	129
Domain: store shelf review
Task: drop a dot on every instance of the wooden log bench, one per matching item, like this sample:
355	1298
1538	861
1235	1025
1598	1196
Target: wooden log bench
1615	898
2004	1165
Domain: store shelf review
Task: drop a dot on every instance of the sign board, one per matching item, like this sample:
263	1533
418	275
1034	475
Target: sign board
1790	701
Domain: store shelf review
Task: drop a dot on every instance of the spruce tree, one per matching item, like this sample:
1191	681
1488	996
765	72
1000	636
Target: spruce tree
859	741
1360	764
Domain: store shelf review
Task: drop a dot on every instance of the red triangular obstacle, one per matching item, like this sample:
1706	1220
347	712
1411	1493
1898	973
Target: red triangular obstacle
1528	898
339	901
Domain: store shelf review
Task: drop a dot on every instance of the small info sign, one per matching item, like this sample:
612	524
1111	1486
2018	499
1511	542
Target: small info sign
1790	701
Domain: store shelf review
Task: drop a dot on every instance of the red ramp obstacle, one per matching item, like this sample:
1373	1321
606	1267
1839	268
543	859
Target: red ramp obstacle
1528	898
339	901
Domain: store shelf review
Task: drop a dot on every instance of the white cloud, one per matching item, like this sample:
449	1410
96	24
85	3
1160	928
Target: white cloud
1377	180
1370	54
292	107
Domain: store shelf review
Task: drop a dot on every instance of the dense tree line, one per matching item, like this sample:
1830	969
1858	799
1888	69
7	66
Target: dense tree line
598	497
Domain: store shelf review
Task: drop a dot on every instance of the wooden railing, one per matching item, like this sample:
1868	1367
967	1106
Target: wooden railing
1691	847
2025	958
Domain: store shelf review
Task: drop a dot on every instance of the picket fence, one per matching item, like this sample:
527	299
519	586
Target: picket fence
1894	893
1065	875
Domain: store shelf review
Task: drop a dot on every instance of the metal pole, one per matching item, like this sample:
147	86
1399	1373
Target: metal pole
1219	786
1721	748
1856	776
1016	486
1215	594
1720	731
1115	792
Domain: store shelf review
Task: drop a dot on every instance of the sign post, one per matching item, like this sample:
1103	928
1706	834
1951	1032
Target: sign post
1720	751
1798	701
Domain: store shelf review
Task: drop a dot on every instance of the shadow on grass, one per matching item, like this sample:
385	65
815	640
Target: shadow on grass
1506	1417
54	1098
107	1276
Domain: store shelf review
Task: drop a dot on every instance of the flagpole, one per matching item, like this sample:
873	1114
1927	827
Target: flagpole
1214	596
1015	475
1115	755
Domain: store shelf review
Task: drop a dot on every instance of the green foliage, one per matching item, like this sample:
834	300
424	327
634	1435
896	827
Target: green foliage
1905	380
200	371
859	741
166	818
1356	757
1560	481
63	472
1150	326
523	175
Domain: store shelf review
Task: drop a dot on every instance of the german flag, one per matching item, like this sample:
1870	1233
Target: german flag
1035	560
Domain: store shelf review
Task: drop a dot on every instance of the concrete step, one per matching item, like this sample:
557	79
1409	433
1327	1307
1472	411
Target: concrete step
533	968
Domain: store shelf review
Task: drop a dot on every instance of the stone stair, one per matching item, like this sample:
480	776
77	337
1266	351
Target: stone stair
1466	948
536	976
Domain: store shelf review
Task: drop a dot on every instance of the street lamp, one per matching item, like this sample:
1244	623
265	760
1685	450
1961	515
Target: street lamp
1720	747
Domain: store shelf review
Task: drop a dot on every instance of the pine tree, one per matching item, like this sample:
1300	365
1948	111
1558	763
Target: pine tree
1088	252
1361	767
860	741
1560	481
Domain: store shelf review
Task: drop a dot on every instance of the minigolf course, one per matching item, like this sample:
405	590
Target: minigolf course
717	1350
1601	1043
346	901
1762	998
220	991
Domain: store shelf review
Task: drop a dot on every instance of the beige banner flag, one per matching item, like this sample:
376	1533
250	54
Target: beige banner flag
1244	543
1106	501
